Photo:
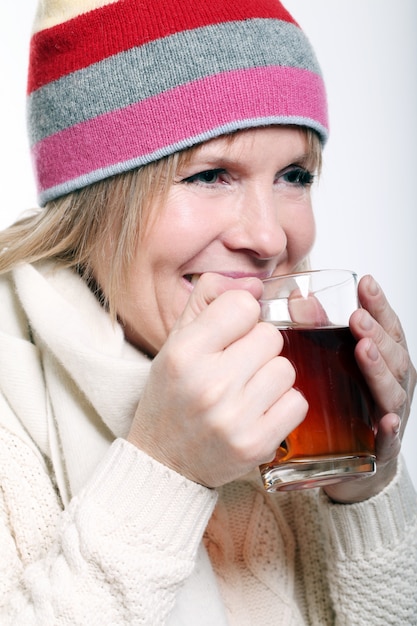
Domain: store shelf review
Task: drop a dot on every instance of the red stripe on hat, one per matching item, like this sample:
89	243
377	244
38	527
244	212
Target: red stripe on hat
93	36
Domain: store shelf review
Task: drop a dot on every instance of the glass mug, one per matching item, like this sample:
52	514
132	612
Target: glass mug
336	440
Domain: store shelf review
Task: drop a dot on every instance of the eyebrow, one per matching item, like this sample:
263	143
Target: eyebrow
218	159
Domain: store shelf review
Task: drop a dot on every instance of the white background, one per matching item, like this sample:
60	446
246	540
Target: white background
365	202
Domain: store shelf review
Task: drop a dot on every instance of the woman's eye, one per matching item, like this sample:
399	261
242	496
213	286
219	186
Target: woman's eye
298	176
208	177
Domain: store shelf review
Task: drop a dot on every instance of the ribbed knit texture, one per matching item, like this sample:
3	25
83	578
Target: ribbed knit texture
115	85
93	531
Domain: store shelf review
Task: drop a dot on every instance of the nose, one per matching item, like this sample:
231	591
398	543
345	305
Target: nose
256	228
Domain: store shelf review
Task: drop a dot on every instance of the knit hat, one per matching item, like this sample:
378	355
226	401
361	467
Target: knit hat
116	84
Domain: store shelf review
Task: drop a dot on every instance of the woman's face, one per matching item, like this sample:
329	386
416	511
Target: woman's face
239	207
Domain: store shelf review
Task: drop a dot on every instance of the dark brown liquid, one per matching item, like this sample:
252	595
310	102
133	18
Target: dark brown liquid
339	419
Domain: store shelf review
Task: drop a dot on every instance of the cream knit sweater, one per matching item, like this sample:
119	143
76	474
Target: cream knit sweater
93	531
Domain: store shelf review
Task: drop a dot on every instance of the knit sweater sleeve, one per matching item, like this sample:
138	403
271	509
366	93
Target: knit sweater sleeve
372	556
117	555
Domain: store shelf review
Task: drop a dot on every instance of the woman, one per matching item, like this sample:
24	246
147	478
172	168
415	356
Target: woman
175	148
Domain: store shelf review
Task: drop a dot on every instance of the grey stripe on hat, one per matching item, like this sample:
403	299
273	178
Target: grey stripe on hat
139	73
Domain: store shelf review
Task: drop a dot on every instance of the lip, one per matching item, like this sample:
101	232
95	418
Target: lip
191	279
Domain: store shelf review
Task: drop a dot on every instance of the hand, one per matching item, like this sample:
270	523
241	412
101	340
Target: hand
382	355
218	401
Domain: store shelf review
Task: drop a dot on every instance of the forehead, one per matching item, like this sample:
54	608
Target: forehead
307	142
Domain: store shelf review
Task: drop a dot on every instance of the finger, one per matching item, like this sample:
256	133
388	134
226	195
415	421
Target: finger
388	393
209	287
394	354
306	310
252	351
253	356
268	385
281	419
372	298
388	438
382	325
220	311
259	442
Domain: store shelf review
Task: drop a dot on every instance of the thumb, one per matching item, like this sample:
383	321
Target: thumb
306	310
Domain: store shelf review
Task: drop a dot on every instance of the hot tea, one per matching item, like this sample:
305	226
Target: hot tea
339	418
336	440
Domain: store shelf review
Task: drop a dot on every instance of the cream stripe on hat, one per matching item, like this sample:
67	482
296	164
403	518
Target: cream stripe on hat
53	12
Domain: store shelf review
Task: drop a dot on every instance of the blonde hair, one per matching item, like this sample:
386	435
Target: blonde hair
74	229
110	215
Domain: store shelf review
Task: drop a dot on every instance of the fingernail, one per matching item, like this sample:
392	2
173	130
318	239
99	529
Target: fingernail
396	427
372	351
373	287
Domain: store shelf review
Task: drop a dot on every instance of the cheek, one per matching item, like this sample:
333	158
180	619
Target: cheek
301	234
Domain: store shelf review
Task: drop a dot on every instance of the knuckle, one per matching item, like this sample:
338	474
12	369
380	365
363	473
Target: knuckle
300	403
269	334
286	370
405	368
393	397
245	302
396	331
290	369
393	330
297	406
250	446
242	448
399	400
209	397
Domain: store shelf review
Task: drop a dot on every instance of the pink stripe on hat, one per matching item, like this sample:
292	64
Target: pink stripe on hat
177	119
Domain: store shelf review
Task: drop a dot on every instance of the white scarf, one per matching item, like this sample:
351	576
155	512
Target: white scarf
83	350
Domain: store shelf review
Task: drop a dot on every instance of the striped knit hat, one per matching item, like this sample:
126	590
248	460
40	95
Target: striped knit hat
116	84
